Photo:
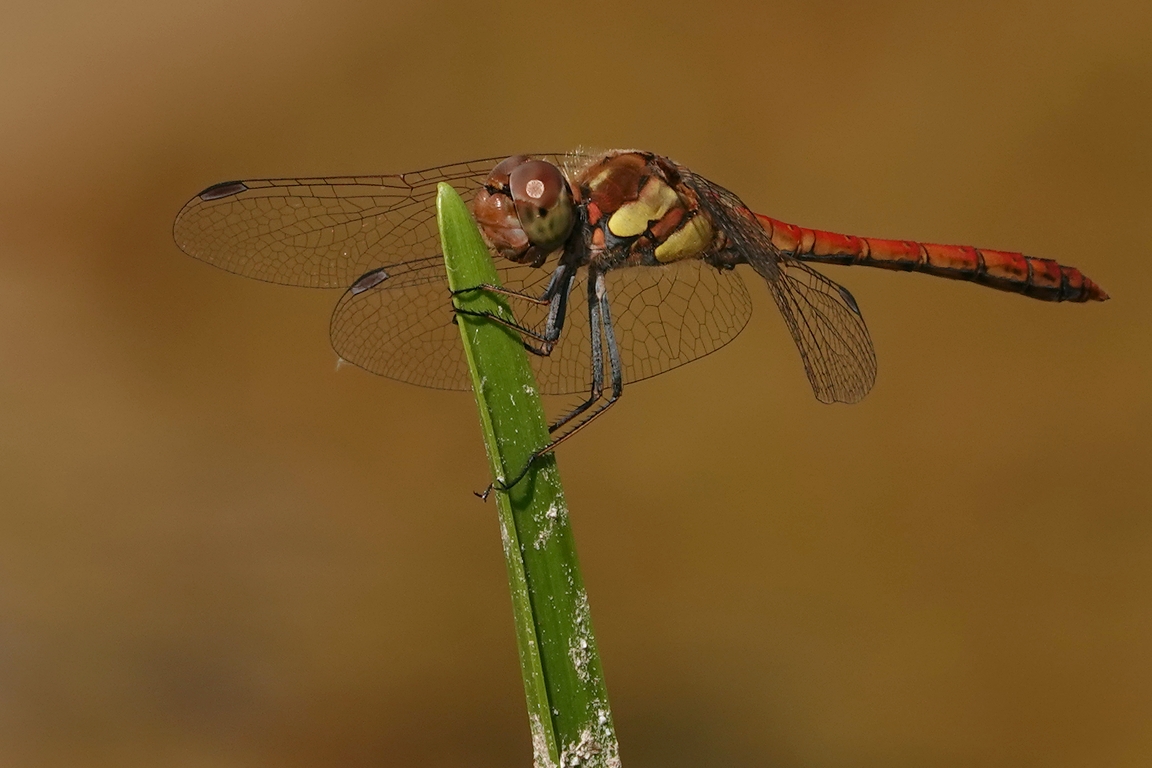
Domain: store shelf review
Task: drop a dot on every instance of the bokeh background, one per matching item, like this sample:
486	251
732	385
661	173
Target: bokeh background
218	550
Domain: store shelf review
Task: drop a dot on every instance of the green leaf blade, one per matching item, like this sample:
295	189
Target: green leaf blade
567	700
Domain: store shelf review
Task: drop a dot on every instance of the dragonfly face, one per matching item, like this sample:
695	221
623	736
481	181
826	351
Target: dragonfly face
525	209
628	256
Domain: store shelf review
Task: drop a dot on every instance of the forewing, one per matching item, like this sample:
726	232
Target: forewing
321	232
823	317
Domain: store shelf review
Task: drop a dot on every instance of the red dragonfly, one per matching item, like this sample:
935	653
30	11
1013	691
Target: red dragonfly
631	251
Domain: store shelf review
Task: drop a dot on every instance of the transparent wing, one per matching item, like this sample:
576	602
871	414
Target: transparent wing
827	327
320	232
663	317
397	321
667	316
823	317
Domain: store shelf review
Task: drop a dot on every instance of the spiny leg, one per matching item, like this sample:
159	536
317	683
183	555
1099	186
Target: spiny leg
555	295
596	391
562	274
598	296
558	287
489	288
614	364
600	318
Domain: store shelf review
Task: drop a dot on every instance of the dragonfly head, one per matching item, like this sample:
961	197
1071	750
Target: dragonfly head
525	209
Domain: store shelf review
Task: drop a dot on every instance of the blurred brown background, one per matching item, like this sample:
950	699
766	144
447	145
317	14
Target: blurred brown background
217	550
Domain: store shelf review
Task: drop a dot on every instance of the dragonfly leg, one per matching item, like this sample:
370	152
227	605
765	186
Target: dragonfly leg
555	295
503	292
596	391
600	319
561	277
541	336
600	315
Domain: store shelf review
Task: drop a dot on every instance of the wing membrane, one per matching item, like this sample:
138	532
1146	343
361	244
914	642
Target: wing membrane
664	317
828	330
822	316
320	232
401	326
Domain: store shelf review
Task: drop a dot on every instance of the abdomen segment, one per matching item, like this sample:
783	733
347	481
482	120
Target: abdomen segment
1039	278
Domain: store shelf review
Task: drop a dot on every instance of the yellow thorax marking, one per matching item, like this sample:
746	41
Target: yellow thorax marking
654	200
692	239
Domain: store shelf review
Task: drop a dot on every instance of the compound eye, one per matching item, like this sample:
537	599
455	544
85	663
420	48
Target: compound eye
536	182
543	203
498	176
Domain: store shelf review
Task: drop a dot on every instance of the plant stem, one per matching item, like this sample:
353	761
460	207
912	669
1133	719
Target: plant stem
568	710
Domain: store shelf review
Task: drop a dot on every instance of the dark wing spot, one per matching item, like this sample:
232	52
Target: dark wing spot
223	189
368	281
849	299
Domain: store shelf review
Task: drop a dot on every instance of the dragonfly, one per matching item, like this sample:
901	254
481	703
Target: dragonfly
622	264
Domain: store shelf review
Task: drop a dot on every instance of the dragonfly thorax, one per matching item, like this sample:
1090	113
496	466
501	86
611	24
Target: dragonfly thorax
641	212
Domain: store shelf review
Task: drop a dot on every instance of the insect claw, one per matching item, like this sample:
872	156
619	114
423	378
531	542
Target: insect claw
503	486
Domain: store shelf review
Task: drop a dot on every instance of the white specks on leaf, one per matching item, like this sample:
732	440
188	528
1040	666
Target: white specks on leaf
555	515
580	647
596	748
540	756
505	538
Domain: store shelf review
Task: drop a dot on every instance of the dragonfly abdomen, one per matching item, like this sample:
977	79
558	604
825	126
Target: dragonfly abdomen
1038	278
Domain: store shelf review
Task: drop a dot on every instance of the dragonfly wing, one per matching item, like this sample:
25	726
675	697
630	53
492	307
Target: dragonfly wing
663	317
400	325
667	316
396	321
822	316
827	327
320	232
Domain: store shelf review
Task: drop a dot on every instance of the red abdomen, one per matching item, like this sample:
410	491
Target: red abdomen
1039	278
